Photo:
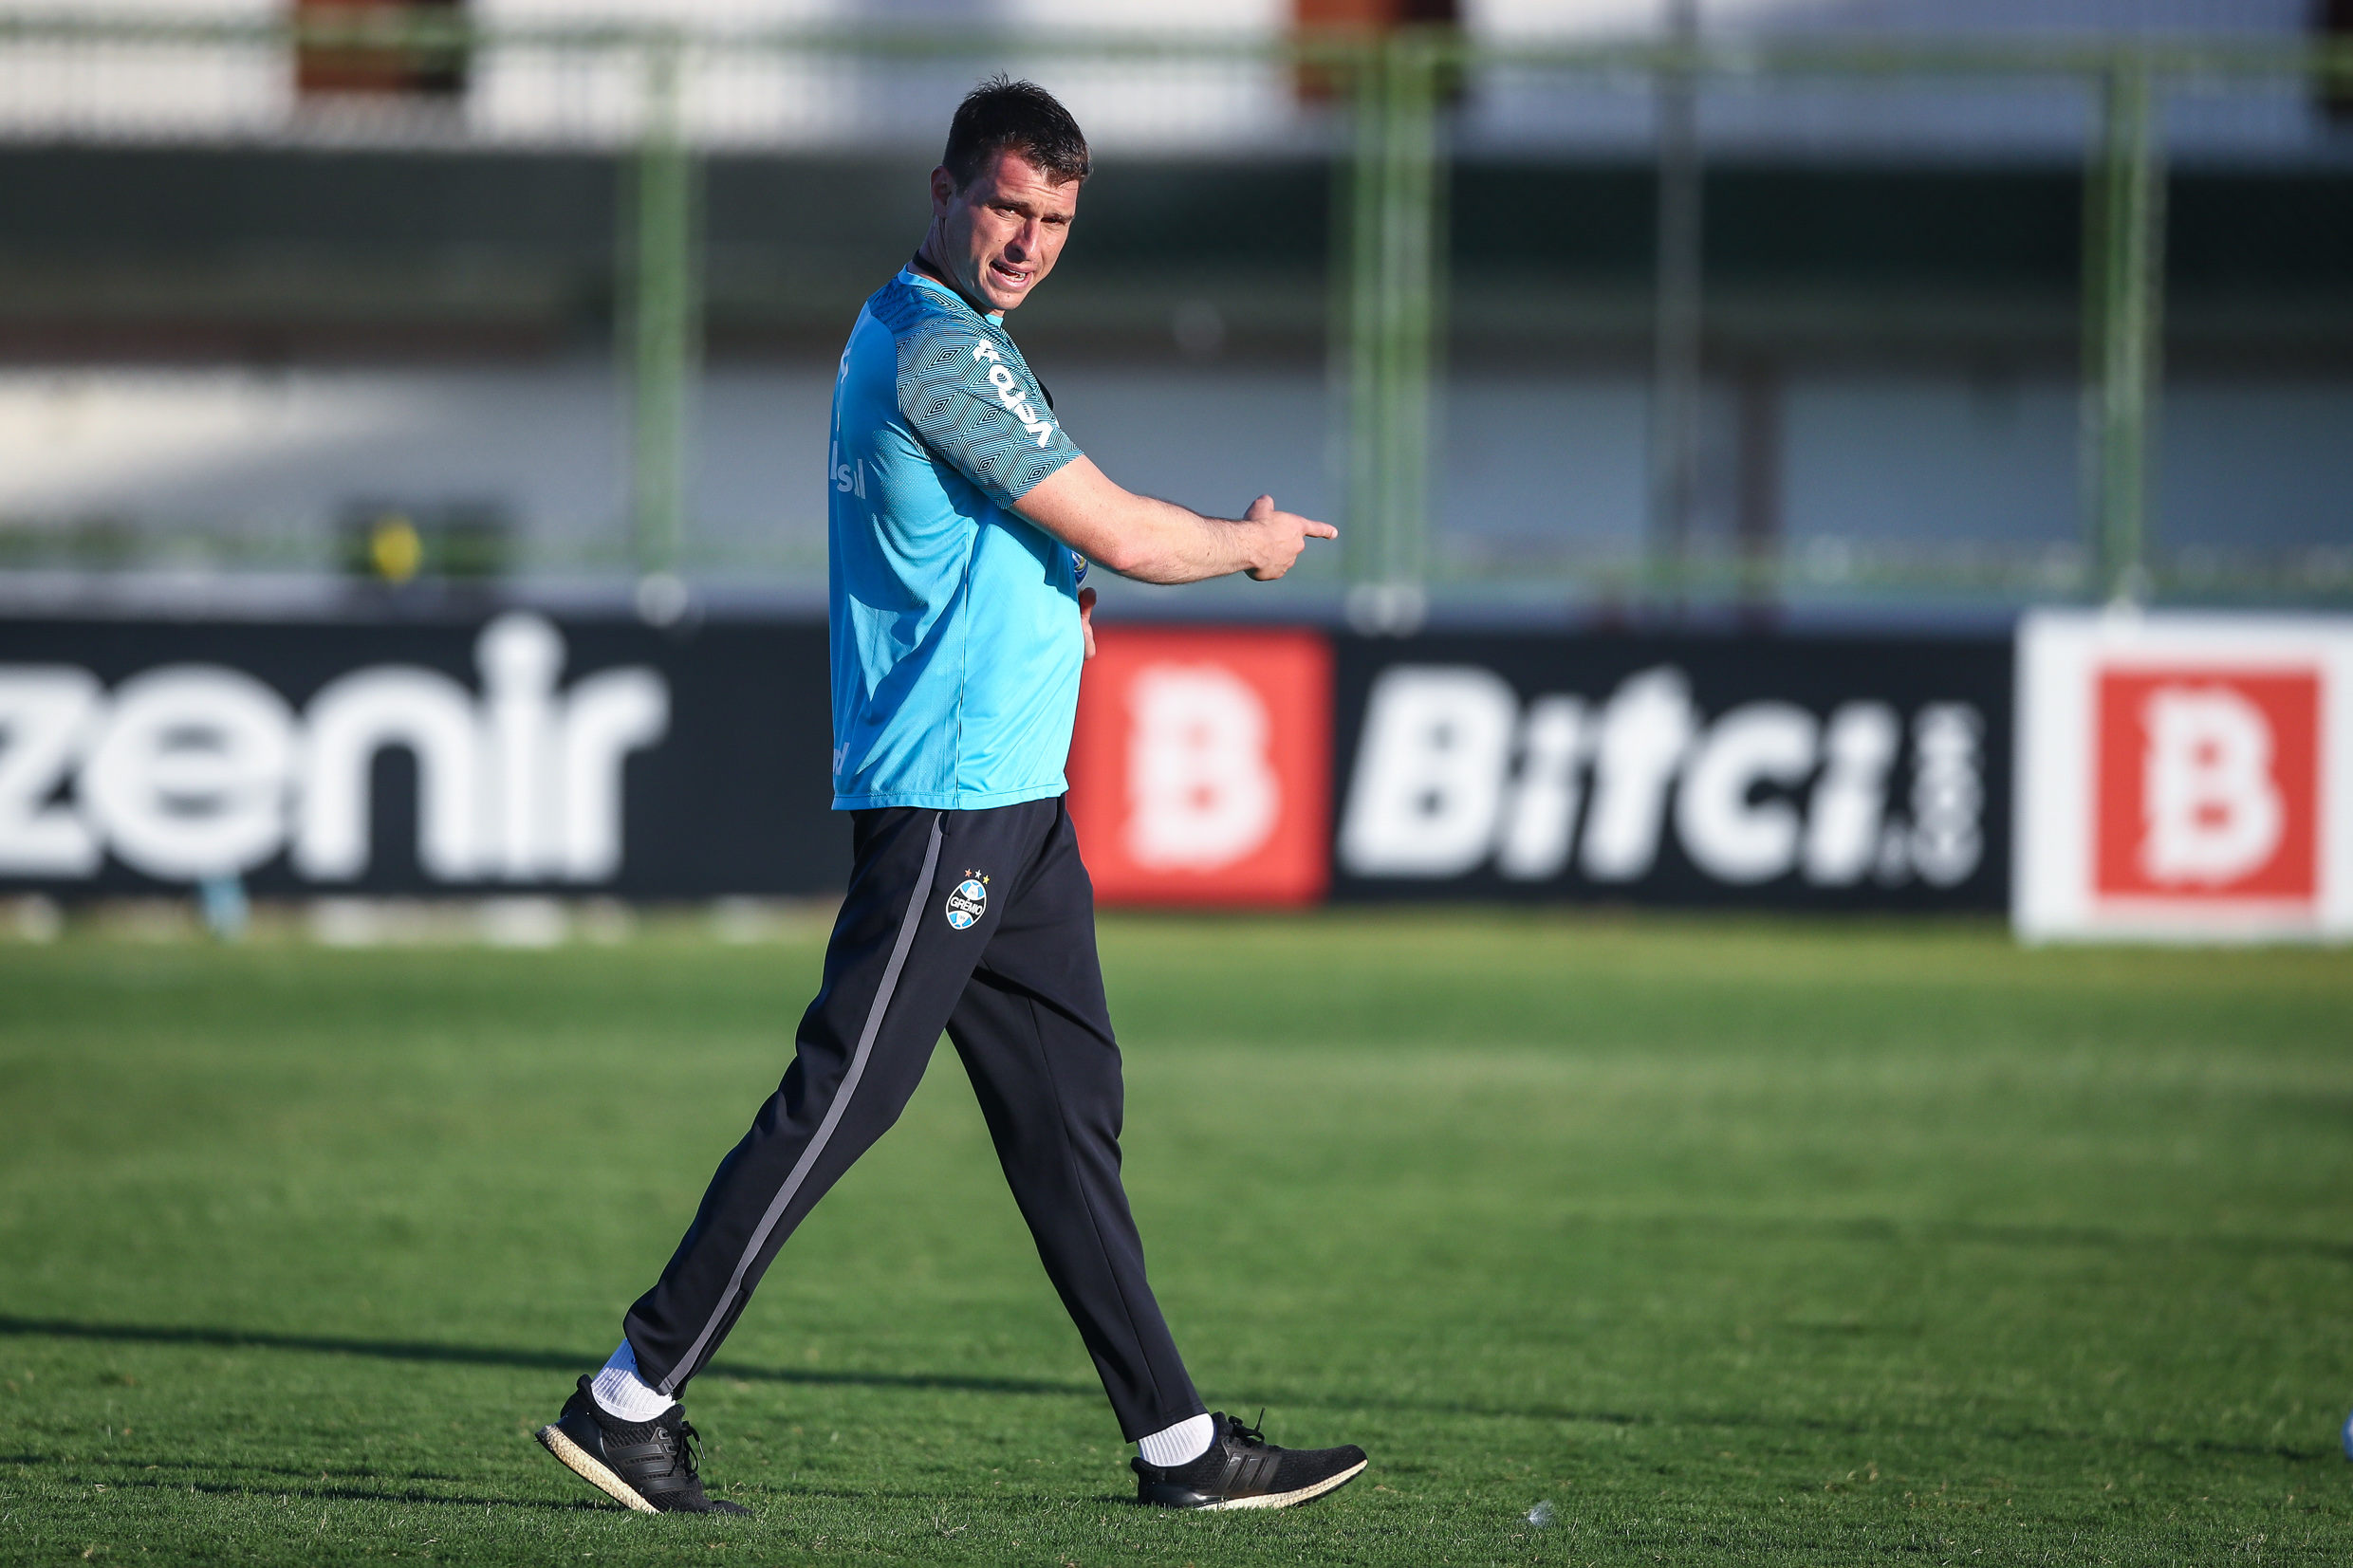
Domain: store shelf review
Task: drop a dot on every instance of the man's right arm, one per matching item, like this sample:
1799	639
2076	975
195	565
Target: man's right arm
1158	540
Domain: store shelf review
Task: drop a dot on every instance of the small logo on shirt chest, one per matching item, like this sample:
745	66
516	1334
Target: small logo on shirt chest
969	902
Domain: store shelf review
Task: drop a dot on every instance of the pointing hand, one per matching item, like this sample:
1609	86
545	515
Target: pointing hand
1281	536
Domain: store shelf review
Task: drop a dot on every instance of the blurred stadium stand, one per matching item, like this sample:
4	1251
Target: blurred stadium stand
254	292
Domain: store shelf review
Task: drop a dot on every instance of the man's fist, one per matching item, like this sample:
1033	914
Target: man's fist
1280	537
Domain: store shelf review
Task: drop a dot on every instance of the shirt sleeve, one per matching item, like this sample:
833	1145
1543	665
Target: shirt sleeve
976	405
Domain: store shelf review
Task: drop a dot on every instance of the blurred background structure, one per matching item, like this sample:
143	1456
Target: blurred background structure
1572	311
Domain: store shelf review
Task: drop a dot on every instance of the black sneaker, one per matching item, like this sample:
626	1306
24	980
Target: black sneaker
649	1465
1243	1470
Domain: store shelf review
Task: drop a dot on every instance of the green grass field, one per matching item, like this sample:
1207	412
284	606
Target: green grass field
1733	1242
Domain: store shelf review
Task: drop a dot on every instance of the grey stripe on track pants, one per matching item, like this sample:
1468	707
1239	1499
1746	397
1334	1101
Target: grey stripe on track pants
1014	979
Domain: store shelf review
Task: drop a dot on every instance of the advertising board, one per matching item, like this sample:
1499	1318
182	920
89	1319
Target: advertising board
1785	771
417	758
1200	771
1212	766
2184	776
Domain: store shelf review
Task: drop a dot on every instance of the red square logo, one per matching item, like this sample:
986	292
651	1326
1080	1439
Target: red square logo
2208	785
1200	771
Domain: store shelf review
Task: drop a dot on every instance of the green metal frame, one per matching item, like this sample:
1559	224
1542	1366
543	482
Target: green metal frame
1390	253
1395	258
2123	327
1678	370
663	305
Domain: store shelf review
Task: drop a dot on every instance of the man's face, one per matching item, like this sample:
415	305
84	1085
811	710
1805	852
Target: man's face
999	236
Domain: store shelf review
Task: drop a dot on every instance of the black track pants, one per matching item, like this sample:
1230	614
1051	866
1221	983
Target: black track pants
1011	975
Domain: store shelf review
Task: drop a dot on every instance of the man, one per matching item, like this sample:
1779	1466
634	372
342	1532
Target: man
962	517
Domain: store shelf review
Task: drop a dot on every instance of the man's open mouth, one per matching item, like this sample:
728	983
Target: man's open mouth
1013	277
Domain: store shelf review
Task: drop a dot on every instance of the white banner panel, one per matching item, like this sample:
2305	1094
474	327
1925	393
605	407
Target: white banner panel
2184	777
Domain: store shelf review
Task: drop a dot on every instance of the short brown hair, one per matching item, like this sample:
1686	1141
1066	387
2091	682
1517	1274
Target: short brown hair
1005	115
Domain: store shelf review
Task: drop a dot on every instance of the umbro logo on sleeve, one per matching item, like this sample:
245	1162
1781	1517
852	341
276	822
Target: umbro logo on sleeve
1012	394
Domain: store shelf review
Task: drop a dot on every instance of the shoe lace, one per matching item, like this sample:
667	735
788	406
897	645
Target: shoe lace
689	1447
1250	1434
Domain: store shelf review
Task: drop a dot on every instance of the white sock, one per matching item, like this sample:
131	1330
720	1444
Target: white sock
1181	1444
622	1394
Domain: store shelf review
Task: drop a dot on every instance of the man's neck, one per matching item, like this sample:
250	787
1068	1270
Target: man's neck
922	263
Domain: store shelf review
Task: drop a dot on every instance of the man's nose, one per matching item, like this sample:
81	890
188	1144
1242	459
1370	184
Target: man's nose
1024	241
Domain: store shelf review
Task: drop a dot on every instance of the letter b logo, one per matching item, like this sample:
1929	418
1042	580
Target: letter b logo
1200	772
2208	785
1202	790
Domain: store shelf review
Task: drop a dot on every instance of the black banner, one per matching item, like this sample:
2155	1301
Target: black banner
605	757
514	753
1785	771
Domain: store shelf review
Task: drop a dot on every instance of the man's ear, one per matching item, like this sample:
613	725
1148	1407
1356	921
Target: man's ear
943	190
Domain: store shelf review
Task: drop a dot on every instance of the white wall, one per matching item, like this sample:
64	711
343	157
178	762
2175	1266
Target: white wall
1530	466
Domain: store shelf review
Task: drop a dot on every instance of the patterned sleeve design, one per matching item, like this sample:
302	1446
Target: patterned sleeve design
970	396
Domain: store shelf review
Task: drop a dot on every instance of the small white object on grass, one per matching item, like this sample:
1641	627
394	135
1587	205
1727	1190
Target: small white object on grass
1541	1515
523	922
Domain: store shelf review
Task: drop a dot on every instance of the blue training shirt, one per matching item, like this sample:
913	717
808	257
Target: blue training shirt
955	621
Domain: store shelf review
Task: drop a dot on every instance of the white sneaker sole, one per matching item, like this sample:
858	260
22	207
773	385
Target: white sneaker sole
593	1471
1285	1499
